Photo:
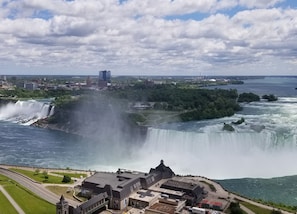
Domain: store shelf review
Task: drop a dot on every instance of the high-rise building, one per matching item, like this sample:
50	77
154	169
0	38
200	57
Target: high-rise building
104	78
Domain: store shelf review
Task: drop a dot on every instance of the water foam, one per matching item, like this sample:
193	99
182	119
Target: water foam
247	152
25	112
222	155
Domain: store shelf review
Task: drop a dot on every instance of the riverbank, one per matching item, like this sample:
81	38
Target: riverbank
49	170
214	189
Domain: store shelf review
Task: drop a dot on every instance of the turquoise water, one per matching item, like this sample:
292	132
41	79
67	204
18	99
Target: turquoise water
278	190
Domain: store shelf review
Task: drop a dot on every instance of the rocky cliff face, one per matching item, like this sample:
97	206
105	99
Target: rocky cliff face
6	101
95	119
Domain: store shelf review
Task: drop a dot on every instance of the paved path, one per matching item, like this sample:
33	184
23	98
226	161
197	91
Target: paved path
223	193
245	209
10	199
35	187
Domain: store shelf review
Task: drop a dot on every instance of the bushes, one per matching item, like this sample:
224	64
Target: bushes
269	97
235	208
248	97
66	179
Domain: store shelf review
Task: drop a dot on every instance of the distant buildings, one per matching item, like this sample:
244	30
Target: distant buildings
104	78
30	86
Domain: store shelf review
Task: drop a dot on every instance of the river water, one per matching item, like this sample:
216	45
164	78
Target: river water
264	146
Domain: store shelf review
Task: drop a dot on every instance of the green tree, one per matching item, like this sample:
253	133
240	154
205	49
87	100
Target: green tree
66	179
36	171
235	208
45	174
248	97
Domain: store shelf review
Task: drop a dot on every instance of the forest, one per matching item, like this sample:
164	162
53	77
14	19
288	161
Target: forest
186	104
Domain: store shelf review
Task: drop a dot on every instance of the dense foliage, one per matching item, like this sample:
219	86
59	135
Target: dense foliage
193	104
66	179
269	97
24	93
234	208
248	97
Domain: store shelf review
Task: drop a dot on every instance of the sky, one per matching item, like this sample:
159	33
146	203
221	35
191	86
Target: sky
148	37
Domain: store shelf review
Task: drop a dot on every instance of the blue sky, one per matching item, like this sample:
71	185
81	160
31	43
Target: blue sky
149	37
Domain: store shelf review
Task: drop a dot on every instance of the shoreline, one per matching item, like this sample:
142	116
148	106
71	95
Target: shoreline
49	169
219	191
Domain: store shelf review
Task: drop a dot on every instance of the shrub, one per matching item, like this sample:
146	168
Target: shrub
66	179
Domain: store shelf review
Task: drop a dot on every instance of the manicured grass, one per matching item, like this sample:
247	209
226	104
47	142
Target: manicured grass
211	186
255	209
40	176
280	206
58	190
72	175
27	200
5	205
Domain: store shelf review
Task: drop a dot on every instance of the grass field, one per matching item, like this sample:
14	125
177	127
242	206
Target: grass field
61	191
5	205
255	209
40	176
27	200
72	175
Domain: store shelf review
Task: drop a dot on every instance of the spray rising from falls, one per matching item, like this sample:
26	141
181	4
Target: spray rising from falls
265	145
25	112
223	155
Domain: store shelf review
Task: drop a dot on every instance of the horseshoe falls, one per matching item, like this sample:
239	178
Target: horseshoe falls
265	145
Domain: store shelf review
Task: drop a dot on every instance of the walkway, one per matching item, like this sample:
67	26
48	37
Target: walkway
225	194
35	187
16	206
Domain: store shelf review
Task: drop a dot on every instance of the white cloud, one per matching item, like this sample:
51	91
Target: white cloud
137	36
259	3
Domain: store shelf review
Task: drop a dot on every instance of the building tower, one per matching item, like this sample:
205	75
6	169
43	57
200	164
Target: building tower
62	207
104	78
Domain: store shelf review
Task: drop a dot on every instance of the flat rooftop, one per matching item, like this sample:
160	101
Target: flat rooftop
165	208
157	188
116	180
181	184
145	195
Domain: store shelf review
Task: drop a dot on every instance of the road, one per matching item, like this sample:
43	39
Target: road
221	192
35	187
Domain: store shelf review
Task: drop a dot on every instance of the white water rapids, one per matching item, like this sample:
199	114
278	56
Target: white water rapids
265	145
25	112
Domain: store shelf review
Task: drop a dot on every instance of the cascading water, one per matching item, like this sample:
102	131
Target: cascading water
25	112
265	145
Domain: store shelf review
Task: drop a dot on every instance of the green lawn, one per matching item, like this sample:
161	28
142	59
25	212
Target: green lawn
255	209
58	190
40	176
5	205
211	186
72	175
27	200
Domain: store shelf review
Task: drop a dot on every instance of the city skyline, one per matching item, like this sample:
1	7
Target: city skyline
146	37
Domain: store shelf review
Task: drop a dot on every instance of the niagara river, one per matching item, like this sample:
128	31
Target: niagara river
264	146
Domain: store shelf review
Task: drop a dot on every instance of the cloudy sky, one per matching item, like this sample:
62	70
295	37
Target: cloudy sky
149	37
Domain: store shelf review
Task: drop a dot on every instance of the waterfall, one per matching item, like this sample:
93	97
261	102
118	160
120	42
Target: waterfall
25	112
223	154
